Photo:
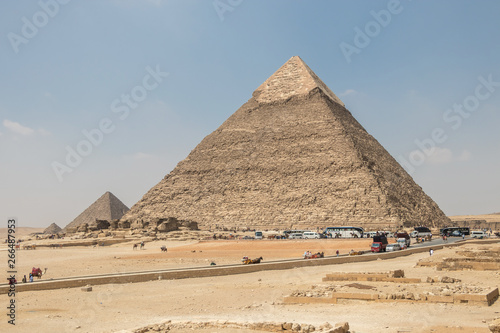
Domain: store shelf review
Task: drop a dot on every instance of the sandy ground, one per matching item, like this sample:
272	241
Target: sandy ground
20	232
78	261
255	297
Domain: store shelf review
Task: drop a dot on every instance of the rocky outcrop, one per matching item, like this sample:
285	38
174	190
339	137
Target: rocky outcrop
494	326
170	224
291	157
99	225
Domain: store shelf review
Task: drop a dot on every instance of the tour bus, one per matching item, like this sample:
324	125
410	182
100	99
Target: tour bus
421	232
448	231
344	232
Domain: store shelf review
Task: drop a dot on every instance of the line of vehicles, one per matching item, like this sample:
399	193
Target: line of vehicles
344	232
403	238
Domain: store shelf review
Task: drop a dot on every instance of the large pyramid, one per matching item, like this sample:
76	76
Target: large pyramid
292	156
107	207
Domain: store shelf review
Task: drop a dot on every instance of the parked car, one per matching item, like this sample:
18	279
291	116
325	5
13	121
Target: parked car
478	234
402	243
393	247
310	235
296	235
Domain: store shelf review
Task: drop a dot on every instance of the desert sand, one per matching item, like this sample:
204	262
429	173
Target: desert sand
254	297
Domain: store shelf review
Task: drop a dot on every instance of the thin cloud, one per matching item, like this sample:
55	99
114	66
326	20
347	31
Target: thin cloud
140	156
44	132
17	128
465	156
440	156
348	92
444	156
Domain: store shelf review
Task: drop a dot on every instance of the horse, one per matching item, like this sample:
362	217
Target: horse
163	248
257	261
142	245
135	247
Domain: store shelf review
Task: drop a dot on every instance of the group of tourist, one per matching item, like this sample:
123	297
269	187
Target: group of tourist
13	280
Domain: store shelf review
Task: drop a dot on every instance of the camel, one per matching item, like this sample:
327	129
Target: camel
38	272
142	245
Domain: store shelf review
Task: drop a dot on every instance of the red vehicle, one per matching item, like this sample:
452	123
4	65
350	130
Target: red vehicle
379	244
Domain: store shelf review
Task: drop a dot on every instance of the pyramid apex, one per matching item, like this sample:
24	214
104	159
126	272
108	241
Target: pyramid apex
291	79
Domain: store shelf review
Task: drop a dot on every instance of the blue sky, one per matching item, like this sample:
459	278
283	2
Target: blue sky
67	65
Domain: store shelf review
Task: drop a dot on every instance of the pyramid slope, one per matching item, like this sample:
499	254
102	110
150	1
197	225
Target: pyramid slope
292	160
107	207
52	229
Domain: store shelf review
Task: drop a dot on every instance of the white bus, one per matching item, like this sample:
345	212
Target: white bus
344	232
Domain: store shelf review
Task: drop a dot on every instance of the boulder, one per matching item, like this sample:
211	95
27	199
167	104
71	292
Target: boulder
83	228
113	224
170	225
191	225
494	326
399	273
124	225
447	279
339	328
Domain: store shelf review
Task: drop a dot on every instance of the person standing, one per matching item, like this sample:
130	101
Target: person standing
431	252
337	253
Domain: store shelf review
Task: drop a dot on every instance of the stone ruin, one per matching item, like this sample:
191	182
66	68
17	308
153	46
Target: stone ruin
432	290
477	260
224	325
156	228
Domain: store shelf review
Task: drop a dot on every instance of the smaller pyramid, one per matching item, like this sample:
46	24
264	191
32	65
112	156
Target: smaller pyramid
107	207
52	229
